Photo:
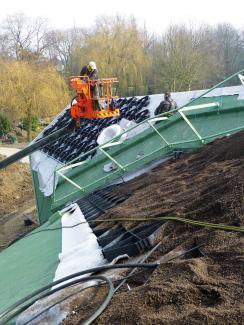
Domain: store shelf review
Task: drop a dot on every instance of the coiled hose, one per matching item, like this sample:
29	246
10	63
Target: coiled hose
18	307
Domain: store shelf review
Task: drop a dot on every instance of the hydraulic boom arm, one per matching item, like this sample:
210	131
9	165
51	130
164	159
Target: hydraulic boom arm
37	145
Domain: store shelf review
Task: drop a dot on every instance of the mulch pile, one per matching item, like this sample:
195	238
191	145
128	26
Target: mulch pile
204	287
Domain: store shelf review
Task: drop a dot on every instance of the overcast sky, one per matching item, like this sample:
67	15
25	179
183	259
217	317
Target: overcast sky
155	14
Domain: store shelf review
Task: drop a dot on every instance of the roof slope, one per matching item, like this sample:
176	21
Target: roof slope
166	196
202	287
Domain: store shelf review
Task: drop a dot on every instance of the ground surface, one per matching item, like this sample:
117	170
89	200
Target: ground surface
207	185
16	201
10	150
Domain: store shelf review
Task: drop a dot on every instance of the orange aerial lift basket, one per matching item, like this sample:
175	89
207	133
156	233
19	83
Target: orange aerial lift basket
94	98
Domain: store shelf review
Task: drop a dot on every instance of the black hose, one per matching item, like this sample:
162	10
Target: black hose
58	302
39	291
88	278
40	143
106	301
131	274
79	291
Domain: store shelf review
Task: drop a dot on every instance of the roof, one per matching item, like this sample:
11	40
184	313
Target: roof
42	248
84	138
68	243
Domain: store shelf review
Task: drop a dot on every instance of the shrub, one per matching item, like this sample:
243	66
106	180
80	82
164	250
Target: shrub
34	123
5	125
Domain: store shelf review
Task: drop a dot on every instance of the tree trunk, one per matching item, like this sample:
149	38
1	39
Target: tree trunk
29	125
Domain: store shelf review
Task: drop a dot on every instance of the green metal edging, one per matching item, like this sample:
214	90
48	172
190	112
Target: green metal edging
84	190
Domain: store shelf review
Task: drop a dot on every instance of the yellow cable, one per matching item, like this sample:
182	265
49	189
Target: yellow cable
179	219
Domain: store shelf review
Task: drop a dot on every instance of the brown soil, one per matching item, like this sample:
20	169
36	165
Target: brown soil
206	185
16	201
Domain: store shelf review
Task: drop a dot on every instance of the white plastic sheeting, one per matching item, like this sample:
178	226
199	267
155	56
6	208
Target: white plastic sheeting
53	316
80	249
45	168
109	133
114	130
127	124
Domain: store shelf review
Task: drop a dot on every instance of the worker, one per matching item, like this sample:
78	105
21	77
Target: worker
90	71
168	104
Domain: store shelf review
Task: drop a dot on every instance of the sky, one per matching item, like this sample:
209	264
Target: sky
156	15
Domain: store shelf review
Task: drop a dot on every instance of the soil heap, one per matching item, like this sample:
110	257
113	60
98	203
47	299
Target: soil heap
201	288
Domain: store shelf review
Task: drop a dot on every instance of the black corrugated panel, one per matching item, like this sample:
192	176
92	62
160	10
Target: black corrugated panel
85	138
115	239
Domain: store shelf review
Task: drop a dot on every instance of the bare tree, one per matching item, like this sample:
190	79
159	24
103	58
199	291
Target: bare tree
23	35
178	58
230	48
61	47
